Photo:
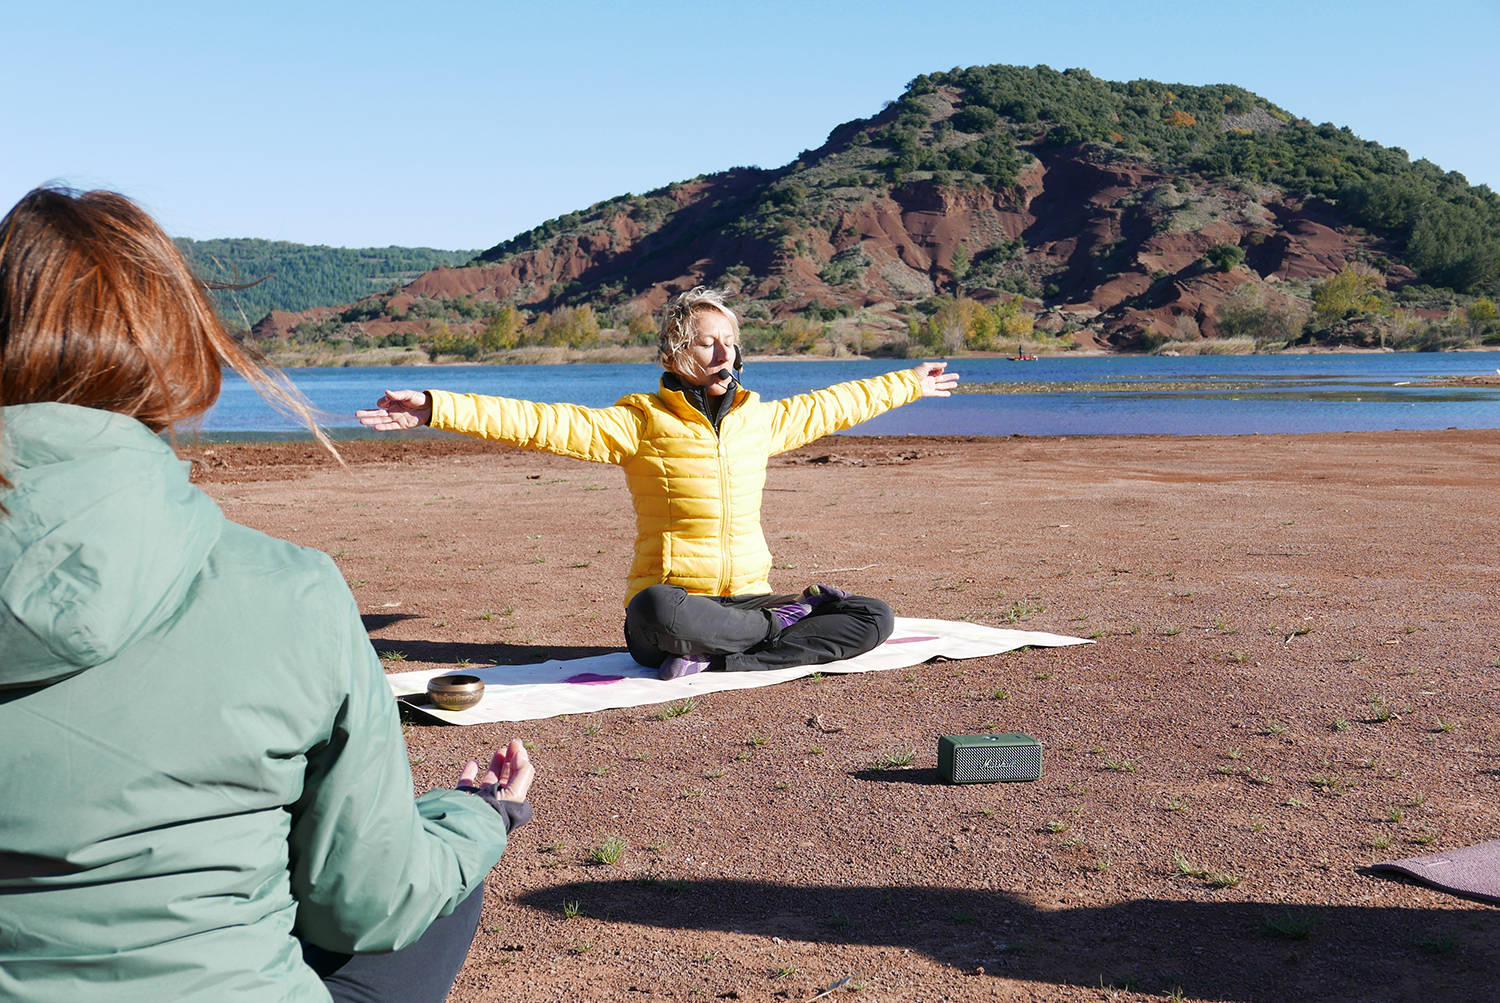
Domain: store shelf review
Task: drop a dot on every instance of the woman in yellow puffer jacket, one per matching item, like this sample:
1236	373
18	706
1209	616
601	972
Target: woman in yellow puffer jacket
694	455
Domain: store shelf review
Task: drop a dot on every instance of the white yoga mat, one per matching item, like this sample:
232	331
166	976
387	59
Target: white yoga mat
582	685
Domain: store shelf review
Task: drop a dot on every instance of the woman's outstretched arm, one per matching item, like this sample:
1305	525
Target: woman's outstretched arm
801	419
605	435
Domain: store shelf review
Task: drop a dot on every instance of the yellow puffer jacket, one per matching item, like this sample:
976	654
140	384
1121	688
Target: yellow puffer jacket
696	493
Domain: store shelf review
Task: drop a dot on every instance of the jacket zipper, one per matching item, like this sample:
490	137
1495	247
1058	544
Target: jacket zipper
724	521
724	501
725	557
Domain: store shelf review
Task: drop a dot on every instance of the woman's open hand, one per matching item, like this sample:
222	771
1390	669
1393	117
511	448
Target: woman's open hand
397	409
510	768
935	381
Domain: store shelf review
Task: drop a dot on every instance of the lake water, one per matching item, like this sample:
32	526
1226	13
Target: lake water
1196	395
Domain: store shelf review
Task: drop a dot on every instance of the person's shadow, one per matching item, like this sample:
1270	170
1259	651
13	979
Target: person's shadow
1256	952
461	653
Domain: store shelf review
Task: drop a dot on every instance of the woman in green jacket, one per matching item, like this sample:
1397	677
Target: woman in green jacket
206	795
694	455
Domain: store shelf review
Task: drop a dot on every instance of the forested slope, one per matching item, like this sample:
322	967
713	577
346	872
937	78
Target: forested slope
302	276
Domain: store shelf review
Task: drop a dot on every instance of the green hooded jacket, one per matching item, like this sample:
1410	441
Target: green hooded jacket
200	751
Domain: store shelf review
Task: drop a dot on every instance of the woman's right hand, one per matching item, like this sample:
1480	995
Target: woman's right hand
396	410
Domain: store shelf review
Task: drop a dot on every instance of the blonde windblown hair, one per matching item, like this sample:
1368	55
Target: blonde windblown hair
679	323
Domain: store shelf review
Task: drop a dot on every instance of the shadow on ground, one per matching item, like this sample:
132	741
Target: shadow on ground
1228	950
465	653
921	777
380	621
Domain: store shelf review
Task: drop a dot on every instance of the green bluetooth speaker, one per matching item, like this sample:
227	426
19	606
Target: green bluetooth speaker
987	759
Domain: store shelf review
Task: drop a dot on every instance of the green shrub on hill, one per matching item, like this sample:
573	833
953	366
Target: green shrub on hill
1350	293
1225	257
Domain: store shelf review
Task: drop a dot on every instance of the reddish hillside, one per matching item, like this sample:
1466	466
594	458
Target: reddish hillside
1108	236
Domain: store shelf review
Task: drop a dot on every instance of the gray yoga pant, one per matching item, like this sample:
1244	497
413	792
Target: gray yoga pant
422	972
740	635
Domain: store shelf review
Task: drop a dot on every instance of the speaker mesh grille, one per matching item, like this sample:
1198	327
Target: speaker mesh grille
1006	762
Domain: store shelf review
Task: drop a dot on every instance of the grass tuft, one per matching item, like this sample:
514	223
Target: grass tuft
608	852
1216	879
677	709
1437	944
1289	924
895	759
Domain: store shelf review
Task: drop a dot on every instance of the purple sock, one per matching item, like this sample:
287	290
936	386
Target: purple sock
682	665
813	596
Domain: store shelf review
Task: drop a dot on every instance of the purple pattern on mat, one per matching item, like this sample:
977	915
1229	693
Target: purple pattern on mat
592	679
908	640
1473	872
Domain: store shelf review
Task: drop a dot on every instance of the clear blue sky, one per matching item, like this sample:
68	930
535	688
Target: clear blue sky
458	123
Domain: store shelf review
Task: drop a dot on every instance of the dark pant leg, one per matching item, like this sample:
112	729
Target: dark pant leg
664	620
833	631
419	973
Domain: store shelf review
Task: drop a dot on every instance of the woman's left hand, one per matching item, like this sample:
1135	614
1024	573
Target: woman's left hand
935	381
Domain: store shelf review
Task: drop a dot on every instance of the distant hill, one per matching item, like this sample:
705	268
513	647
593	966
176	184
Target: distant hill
1129	210
303	276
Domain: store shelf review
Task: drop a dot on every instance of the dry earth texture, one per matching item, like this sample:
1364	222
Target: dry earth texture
1294	677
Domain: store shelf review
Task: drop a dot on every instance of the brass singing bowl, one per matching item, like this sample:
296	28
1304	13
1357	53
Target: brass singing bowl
454	692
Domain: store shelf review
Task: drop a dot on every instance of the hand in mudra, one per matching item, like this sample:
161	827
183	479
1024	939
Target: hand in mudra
510	769
397	409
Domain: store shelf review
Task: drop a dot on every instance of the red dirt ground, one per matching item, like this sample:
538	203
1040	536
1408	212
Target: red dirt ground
1294	677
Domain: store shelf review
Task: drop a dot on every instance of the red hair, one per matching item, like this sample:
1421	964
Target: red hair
99	308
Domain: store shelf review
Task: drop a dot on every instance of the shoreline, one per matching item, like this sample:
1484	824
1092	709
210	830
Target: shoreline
380	358
361	434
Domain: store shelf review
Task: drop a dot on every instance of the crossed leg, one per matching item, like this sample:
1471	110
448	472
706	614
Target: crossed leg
739	633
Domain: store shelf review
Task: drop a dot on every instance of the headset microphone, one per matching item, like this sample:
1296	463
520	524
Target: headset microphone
724	375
